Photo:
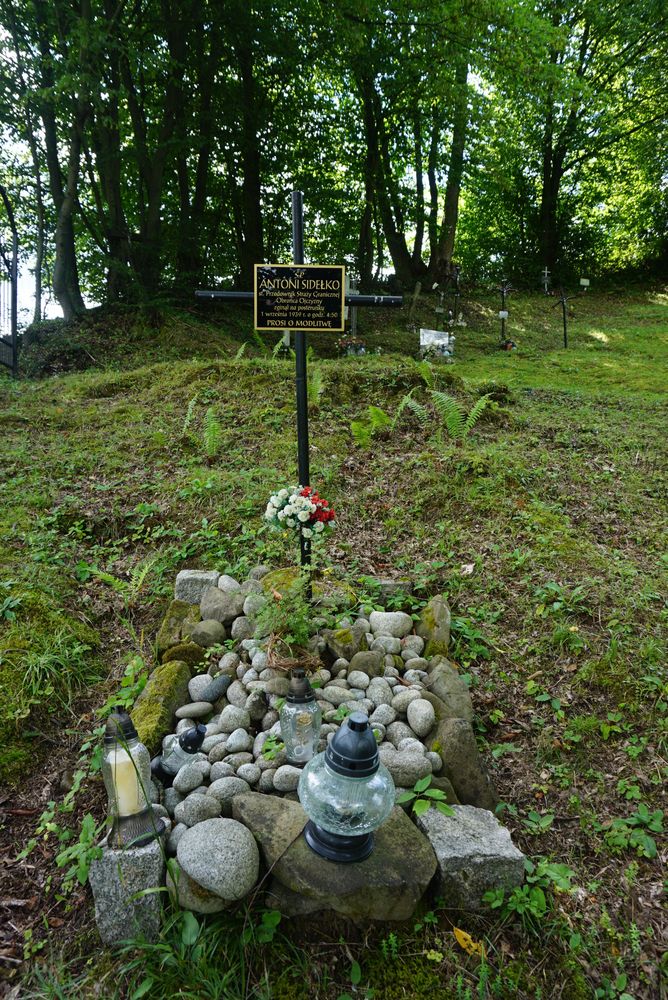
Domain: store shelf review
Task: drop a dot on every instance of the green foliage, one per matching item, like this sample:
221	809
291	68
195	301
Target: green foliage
77	857
453	416
315	386
54	673
212	435
9	605
273	745
423	797
192	957
376	422
531	902
634	831
287	615
190	413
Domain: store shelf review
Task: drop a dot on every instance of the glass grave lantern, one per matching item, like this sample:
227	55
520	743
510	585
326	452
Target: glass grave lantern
126	770
300	719
346	793
177	752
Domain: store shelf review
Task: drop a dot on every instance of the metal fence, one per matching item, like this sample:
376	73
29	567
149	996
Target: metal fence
9	275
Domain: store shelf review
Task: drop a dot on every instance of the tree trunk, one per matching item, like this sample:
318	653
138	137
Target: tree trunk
65	279
419	184
252	249
446	245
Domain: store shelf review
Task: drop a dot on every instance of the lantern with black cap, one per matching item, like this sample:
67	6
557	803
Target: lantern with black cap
347	793
126	770
300	718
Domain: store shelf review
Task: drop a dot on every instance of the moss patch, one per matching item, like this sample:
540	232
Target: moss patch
166	690
186	652
176	625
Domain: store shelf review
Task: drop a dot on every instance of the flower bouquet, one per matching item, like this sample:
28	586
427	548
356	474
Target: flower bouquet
300	509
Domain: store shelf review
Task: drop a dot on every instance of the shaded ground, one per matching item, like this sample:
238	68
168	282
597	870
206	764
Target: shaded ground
546	527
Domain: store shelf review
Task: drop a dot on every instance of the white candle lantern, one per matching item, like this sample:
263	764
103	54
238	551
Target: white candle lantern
126	770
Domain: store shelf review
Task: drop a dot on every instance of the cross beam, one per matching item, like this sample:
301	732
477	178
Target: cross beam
377	301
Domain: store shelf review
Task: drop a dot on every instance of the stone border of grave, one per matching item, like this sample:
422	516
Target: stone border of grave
234	822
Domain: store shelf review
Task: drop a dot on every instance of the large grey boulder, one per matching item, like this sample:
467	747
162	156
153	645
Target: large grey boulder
434	626
394	623
196	808
368	662
208	633
407	767
385	886
232	718
223	791
189	894
237	859
446	684
345	642
474	853
191	584
455	742
421	716
221	606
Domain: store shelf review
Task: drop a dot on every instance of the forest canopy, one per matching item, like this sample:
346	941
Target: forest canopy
150	145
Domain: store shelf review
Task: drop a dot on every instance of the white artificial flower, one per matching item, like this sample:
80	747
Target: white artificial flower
307	533
303	516
319	526
283	494
281	515
290	522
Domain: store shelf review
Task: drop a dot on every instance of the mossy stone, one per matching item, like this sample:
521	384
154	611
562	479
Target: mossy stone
434	627
165	691
176	625
331	593
187	652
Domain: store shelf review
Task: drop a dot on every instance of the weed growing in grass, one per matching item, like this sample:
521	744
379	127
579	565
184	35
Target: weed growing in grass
212	436
54	673
9	605
532	901
192	958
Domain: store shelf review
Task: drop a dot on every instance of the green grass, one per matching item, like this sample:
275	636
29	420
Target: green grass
557	499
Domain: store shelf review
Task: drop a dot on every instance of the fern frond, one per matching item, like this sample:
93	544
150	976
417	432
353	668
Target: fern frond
451	413
378	418
419	410
213	434
241	351
120	586
361	432
138	576
476	412
401	407
315	385
259	343
190	413
278	347
427	373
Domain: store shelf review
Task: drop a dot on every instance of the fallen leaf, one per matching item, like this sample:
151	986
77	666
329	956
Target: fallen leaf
466	942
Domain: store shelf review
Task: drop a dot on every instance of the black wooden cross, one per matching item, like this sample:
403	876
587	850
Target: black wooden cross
300	349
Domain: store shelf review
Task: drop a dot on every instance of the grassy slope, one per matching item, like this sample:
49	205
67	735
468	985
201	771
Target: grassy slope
568	489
